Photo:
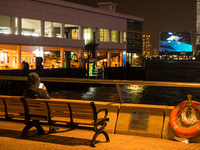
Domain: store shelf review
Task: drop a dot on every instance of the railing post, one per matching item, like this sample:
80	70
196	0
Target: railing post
120	93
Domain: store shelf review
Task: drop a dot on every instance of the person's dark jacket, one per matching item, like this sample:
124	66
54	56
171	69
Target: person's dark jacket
33	90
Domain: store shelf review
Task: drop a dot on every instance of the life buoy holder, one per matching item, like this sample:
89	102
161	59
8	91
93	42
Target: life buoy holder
178	130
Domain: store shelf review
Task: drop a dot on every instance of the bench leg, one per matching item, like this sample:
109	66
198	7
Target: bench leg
95	136
29	125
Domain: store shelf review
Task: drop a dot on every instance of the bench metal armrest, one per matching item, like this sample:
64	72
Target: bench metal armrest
106	112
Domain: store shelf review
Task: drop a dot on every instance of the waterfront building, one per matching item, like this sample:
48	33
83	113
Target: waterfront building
58	31
146	45
198	27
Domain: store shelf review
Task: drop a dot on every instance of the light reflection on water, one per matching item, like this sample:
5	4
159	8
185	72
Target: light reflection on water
131	94
173	71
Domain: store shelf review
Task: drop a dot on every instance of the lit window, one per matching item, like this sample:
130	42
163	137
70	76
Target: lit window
52	29
31	27
7	25
71	31
104	35
115	36
88	35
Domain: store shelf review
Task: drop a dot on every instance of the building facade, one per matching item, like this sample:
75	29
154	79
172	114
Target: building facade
198	27
58	31
146	39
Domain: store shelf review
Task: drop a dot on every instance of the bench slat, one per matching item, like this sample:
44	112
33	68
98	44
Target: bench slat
14	106
2	113
15	109
61	119
60	114
16	115
38	113
88	106
83	116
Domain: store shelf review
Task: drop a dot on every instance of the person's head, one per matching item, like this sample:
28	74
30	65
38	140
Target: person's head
33	80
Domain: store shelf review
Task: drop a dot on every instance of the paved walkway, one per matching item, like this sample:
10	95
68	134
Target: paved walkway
80	140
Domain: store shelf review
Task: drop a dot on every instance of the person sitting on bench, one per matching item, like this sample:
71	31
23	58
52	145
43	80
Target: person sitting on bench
35	89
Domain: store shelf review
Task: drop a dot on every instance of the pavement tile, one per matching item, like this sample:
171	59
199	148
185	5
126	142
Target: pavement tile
80	140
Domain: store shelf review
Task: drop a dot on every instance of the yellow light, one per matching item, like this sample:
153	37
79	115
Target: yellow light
135	56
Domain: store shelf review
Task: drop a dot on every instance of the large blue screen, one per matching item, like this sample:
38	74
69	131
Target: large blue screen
175	42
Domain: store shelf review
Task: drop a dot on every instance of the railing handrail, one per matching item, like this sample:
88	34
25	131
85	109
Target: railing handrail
104	81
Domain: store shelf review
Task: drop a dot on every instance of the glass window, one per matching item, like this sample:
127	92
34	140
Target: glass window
74	60
124	37
115	60
31	27
8	25
75	33
52	59
8	59
115	36
88	35
104	35
29	58
52	29
102	56
134	25
71	31
134	42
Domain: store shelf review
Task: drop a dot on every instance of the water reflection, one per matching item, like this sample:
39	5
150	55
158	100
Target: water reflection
174	71
90	93
131	94
101	93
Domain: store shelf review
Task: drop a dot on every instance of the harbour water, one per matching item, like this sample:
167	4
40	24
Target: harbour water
173	71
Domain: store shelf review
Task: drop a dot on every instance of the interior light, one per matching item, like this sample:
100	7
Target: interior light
38	53
87	36
135	56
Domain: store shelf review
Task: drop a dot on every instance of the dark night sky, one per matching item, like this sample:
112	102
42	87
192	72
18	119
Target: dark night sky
158	15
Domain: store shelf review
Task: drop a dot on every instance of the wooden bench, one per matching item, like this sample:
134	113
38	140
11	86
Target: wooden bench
55	112
11	108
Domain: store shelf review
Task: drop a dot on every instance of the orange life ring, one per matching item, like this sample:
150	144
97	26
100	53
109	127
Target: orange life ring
178	130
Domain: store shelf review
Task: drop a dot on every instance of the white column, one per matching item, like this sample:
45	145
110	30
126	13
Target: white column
42	55
80	58
62	30
121	37
42	28
62	57
110	36
109	58
80	32
18	48
52	34
12	25
19	26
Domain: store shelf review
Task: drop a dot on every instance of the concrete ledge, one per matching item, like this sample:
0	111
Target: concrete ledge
141	120
113	109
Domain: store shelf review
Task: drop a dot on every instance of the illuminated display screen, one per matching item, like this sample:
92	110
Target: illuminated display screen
175	42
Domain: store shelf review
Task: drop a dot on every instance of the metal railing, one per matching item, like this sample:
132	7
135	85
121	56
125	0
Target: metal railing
110	82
